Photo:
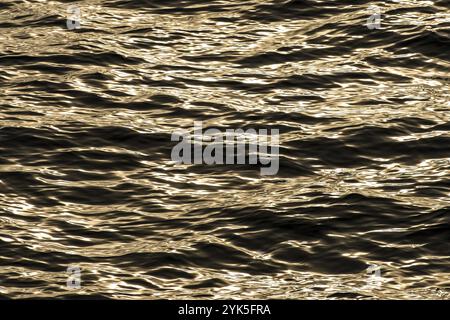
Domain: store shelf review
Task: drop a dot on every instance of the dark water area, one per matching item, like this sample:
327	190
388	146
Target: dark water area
87	180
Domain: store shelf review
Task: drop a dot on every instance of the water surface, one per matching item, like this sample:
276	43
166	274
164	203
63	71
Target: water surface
86	178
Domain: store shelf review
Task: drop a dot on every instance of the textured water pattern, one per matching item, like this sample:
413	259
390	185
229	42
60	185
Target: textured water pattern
86	178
